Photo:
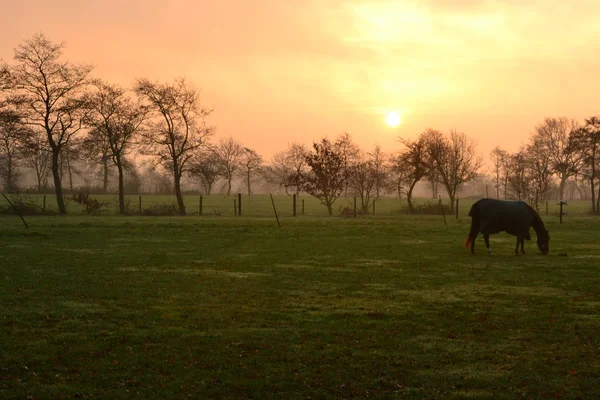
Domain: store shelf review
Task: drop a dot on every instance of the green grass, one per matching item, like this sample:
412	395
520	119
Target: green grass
224	307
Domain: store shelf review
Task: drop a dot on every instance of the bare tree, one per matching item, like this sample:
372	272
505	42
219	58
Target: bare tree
95	150
539	173
116	121
555	138
176	127
251	161
498	158
350	153
12	137
230	155
455	161
366	176
206	167
415	163
588	144
46	90
325	178
38	157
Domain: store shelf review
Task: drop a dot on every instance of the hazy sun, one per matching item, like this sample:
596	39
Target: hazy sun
393	119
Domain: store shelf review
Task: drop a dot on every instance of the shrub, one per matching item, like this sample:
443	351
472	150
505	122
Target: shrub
162	209
24	203
91	205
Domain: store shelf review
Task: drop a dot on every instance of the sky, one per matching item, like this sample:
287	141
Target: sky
283	71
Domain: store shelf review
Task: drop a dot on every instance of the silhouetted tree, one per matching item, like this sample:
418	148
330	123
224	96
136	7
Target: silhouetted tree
251	162
13	136
588	144
229	153
176	127
325	178
414	162
554	137
498	157
205	165
116	121
46	92
366	177
455	161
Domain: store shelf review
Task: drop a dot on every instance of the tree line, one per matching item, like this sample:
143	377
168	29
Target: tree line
55	116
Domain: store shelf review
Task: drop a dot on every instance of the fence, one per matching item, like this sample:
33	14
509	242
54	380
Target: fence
260	206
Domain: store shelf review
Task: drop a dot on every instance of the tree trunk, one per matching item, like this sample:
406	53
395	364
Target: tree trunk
70	171
329	209
105	177
561	188
409	196
60	201
248	177
178	192
228	186
121	188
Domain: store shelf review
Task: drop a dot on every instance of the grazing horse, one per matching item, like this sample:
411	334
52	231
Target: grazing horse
490	216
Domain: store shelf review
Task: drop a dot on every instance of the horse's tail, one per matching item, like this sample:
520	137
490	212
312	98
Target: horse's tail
474	214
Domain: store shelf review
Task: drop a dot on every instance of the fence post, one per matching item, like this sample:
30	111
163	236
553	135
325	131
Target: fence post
239	204
294	204
200	206
234	207
373	207
354	207
302	206
140	204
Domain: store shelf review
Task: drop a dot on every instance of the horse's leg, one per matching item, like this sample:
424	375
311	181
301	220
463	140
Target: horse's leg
522	246
473	242
517	246
486	237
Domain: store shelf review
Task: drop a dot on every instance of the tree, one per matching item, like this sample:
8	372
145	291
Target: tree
415	162
455	161
176	127
350	153
518	180
95	149
230	154
39	158
12	136
205	166
325	178
366	176
115	120
251	161
587	140
539	173
46	92
555	137
498	158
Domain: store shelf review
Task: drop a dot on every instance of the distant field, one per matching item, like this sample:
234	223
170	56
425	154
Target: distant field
260	205
390	306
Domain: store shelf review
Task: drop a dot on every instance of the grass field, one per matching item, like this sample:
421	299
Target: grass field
225	307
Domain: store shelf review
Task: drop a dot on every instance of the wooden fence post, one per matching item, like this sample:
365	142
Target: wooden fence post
294	204
44	205
140	204
200	206
239	204
373	207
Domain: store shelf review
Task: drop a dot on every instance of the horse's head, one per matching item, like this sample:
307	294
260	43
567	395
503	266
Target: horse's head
543	242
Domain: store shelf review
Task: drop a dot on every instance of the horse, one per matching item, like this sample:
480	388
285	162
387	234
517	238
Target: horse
490	216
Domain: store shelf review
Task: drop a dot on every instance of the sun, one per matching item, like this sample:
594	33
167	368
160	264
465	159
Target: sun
393	119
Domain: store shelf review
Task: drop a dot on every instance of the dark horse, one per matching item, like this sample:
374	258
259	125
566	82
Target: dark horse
490	216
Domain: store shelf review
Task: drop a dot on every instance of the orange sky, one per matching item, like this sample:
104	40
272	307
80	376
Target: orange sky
280	71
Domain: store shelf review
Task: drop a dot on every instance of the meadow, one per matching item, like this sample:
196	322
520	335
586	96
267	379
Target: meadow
384	306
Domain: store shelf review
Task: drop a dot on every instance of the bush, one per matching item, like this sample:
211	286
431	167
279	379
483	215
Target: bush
91	205
24	203
162	209
431	207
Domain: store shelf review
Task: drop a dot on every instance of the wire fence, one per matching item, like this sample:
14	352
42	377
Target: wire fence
260	206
